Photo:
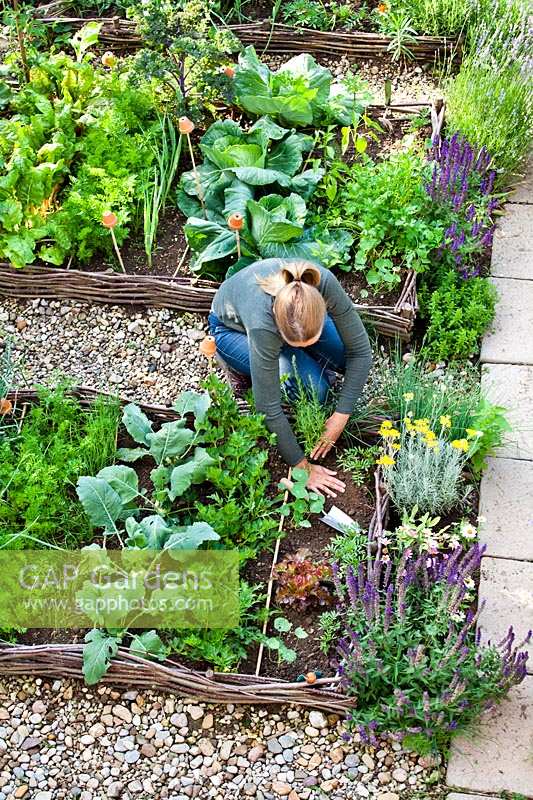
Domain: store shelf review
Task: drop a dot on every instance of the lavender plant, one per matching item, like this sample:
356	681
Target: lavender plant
461	187
491	101
410	652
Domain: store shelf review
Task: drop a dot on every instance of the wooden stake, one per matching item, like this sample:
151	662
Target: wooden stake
271	579
115	244
238	238
196	176
182	259
22	43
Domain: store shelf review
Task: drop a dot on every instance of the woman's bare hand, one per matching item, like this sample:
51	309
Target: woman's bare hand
333	429
323	481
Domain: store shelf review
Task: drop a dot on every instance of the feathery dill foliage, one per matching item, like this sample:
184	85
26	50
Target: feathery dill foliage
410	653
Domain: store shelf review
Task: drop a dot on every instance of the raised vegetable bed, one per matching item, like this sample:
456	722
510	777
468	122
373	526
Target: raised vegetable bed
65	659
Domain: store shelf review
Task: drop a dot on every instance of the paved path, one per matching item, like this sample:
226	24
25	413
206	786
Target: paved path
497	755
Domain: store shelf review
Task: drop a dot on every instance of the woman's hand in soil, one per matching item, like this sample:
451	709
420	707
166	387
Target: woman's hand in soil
323	481
334	427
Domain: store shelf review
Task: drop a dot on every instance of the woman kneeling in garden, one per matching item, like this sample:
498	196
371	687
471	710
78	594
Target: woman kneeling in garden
280	317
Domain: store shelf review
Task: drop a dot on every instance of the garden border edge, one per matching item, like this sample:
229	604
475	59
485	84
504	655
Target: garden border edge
121	34
177	293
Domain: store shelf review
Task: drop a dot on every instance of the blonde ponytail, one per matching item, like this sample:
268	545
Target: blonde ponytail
299	309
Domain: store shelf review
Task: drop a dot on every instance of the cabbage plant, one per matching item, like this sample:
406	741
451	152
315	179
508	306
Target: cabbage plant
274	228
300	93
240	163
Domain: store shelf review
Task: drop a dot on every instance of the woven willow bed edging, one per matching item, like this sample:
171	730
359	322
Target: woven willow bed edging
66	661
180	294
280	38
127	669
121	34
86	396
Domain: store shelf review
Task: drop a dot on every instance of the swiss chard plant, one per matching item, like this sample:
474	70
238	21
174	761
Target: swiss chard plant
75	140
300	93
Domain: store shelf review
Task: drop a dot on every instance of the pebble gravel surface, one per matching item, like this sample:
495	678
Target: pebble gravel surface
148	355
62	740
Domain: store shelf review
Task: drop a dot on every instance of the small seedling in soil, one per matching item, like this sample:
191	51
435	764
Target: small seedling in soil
304	503
276	643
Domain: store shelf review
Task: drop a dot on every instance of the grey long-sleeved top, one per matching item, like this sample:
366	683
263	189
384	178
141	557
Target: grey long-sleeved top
241	304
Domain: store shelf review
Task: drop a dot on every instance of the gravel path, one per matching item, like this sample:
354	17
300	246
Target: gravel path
149	355
63	740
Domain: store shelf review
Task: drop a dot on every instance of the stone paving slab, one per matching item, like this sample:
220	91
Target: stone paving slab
512	253
459	796
524	192
496	754
506	503
511	386
510	339
506	587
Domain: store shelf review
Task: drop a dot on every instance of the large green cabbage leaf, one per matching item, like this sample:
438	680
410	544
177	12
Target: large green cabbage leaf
300	93
274	228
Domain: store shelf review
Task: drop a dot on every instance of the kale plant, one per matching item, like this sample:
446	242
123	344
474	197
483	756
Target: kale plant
185	51
114	501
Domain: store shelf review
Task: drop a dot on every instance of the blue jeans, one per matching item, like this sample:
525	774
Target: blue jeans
310	363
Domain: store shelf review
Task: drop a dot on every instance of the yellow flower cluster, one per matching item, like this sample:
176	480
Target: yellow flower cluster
460	444
388	431
385	461
422	428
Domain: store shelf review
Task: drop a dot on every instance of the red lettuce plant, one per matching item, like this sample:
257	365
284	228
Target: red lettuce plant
300	581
